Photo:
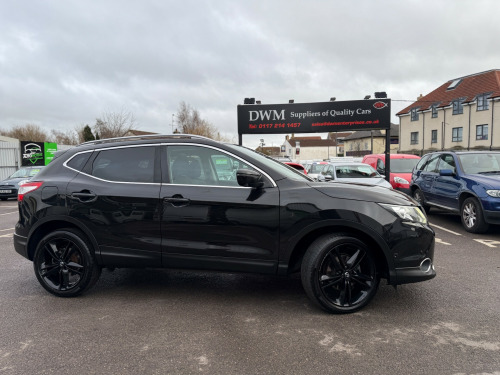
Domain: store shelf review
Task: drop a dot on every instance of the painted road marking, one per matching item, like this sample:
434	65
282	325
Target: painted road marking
489	243
439	240
3	230
8	213
446	230
6	235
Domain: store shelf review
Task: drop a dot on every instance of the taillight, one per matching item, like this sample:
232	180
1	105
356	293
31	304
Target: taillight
27	188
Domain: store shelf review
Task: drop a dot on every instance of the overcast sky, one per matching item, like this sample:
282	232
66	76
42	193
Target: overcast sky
63	63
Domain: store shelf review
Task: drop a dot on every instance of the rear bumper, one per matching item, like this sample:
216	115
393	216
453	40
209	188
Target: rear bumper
20	245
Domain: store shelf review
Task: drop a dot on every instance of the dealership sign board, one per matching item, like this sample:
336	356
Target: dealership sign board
37	153
314	117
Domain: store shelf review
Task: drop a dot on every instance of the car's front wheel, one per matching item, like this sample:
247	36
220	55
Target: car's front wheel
64	264
472	216
339	273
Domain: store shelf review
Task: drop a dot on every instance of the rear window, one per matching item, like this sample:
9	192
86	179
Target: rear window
403	165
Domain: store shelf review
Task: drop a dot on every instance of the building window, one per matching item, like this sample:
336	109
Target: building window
414	138
414	114
481	132
434	111
434	136
456	135
458	107
482	102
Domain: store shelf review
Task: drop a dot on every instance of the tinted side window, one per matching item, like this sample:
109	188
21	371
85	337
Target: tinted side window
447	162
130	164
432	164
422	163
195	165
78	161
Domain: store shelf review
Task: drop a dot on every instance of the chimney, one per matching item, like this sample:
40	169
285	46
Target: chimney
287	137
420	97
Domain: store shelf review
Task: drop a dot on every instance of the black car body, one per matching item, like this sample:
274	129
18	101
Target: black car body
10	186
160	202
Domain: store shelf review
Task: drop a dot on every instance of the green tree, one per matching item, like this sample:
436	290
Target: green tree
87	134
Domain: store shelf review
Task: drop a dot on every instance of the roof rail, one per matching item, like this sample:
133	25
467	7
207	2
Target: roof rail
140	137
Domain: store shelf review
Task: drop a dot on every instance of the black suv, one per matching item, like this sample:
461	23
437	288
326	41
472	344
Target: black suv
169	201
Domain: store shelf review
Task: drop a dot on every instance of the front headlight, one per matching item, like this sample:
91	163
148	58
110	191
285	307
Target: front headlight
493	193
400	180
411	214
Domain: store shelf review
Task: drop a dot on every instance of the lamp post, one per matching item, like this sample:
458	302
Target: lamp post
173	123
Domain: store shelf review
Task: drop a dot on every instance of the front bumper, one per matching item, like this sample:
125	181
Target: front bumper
492	217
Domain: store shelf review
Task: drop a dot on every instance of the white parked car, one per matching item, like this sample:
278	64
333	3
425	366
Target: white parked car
353	172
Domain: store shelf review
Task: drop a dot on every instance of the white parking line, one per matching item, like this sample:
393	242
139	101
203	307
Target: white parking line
8	213
3	230
8	206
439	240
6	235
446	230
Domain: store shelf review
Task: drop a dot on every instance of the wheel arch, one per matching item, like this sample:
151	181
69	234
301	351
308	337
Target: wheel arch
56	223
375	244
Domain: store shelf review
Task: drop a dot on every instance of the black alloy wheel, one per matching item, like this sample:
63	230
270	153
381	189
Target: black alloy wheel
471	214
64	264
339	273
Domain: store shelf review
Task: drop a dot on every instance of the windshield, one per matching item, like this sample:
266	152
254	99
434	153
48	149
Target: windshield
25	173
480	163
286	170
403	165
355	171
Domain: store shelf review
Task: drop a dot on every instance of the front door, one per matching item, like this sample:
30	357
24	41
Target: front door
209	221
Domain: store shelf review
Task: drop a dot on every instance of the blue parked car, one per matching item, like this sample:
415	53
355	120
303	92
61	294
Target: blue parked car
466	182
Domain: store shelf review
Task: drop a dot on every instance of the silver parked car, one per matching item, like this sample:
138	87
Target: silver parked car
353	172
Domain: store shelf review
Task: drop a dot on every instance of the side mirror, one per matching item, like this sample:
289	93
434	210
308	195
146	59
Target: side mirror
249	178
321	178
328	177
446	172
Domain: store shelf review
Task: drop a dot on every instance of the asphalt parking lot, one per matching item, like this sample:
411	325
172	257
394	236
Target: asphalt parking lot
179	322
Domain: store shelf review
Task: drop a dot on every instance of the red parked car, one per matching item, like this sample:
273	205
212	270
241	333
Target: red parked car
297	166
401	167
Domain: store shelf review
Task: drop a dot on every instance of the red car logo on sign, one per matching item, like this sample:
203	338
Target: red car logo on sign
379	105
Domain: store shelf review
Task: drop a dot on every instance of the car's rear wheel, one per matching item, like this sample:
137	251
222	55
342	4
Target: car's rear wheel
472	216
64	264
339	273
419	197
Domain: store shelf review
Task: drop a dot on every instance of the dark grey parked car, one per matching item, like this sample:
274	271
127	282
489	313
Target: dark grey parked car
10	186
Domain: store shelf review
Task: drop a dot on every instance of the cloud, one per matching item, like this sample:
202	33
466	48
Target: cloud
64	63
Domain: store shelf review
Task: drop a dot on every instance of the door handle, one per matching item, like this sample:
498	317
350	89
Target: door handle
85	196
177	201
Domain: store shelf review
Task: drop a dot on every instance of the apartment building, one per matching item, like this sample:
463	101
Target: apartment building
461	114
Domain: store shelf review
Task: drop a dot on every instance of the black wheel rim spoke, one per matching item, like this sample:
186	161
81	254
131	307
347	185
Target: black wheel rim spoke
347	275
61	267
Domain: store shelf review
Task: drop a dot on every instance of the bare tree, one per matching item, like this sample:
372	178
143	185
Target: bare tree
28	132
68	137
114	124
190	122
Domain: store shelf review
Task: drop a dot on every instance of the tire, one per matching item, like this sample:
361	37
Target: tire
419	197
472	217
64	264
339	273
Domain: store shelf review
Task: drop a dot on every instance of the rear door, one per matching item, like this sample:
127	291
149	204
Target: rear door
447	188
211	222
428	176
116	196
